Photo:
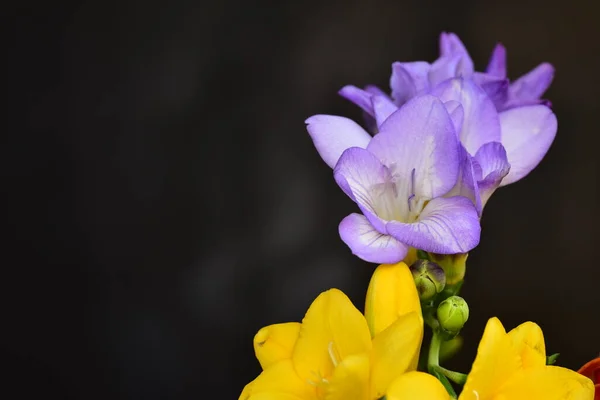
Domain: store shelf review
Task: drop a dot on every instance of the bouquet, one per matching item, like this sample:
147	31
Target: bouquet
433	152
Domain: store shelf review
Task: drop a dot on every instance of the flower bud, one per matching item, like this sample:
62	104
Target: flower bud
429	278
452	314
454	265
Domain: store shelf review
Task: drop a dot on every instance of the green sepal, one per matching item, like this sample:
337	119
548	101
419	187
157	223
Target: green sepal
551	359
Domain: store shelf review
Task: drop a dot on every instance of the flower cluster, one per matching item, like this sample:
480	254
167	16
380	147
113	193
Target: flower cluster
433	152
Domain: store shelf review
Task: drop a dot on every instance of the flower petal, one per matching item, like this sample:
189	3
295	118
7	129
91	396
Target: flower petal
246	392
532	85
496	361
383	108
481	123
496	88
497	64
367	243
391	294
451	45
527	133
409	80
449	67
332	330
548	383
416	386
395	351
419	136
493	161
274	343
281	382
359	97
332	135
456	112
528	339
445	226
350	379
466	184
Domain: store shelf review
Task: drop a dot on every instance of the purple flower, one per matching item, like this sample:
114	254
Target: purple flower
401	180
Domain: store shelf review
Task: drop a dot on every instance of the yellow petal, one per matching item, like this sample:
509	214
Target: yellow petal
395	351
416	386
274	343
350	379
496	361
331	330
391	293
528	339
547	383
246	392
281	380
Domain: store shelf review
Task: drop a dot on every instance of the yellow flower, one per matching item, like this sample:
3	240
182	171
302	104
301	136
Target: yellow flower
332	356
512	366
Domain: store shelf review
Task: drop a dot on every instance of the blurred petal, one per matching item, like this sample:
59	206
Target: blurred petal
274	343
496	88
416	386
492	159
466	184
448	67
280	381
451	45
395	351
367	243
456	112
359	97
350	379
445	226
532	85
419	136
527	133
497	64
496	361
528	339
332	135
481	123
409	80
548	383
383	108
391	294
332	330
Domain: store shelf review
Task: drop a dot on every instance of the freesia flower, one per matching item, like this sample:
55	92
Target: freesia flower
401	180
331	354
513	366
511	116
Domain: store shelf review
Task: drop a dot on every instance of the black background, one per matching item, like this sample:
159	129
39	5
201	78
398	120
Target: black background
163	200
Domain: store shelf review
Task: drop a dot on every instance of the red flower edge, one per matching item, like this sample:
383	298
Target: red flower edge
592	371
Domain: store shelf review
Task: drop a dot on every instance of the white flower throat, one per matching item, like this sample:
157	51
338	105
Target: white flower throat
395	199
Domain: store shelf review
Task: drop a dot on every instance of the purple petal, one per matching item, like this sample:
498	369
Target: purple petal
527	133
532	85
451	45
372	89
466	184
368	244
496	88
409	80
420	136
481	124
383	108
332	135
497	64
359	174
359	97
494	167
456	113
446	226
448	67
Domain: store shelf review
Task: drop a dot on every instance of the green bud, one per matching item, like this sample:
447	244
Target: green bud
454	265
429	278
452	314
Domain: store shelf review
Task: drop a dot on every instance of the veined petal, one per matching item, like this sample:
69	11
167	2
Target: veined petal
532	85
350	379
419	136
416	386
332	135
496	361
493	161
466	184
528	339
548	383
391	294
367	243
481	124
527	133
281	382
445	226
332	330
383	108
409	80
497	64
360	97
395	351
274	343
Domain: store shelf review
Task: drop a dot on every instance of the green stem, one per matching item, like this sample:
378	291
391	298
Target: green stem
456	377
433	360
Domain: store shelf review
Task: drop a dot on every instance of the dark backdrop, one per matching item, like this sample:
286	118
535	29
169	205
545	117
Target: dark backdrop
163	201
